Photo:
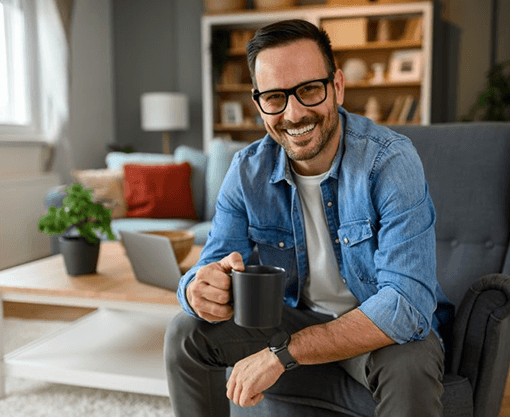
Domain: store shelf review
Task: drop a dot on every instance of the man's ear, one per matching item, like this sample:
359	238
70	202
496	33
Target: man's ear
338	84
255	101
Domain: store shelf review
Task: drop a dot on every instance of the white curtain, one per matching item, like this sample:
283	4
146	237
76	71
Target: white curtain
54	72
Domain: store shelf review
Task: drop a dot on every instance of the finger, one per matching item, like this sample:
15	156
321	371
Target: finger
231	385
214	275
255	400
248	399
214	312
216	295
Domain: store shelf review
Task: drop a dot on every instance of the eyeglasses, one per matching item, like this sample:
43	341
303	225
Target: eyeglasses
309	94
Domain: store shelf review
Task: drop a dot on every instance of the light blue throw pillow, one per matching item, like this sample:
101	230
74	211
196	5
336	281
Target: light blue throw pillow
220	157
198	162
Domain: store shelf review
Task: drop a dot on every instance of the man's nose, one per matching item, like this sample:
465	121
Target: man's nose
294	111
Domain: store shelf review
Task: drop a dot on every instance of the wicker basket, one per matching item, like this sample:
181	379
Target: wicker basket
274	4
221	6
182	241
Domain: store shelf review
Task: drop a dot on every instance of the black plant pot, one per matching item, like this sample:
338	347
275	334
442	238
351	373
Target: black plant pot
80	257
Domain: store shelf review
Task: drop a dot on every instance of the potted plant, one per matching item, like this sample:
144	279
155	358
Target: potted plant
77	222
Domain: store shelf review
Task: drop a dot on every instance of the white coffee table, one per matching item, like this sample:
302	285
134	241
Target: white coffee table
117	347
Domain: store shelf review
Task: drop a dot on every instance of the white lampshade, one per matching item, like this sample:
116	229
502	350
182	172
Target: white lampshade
164	111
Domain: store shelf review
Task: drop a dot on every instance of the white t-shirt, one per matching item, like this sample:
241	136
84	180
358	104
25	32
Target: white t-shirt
325	291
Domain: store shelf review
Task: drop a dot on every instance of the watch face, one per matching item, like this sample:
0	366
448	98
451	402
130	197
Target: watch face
279	339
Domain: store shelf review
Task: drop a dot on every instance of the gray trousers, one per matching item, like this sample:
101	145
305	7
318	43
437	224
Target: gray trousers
405	380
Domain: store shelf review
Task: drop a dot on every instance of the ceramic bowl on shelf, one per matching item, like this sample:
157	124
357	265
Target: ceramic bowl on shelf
181	240
354	70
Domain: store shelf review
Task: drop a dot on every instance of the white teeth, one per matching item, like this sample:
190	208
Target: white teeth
302	131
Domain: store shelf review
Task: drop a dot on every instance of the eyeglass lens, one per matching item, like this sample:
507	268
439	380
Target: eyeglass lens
309	94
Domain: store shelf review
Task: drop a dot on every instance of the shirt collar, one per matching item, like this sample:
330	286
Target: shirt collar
282	169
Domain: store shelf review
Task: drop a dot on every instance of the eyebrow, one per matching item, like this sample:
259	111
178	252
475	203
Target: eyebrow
294	86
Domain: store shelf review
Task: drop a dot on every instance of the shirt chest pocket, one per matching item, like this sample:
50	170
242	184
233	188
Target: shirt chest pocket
275	246
358	248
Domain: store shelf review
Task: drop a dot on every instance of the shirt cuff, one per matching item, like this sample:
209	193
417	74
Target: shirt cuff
395	316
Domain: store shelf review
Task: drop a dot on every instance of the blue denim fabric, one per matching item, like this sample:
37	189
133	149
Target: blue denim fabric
380	215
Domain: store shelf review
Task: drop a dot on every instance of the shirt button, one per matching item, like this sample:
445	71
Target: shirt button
344	280
281	244
337	241
346	241
330	203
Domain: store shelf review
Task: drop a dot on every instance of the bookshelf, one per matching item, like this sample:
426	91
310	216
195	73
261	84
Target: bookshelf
377	34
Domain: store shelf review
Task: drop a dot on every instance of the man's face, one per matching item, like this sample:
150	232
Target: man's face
304	132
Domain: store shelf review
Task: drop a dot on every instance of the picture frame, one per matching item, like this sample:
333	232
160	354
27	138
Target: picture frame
405	66
231	113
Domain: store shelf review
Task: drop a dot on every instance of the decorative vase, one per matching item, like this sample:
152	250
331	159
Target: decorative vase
80	256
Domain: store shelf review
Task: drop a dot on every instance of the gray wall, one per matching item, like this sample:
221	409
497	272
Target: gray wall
157	48
91	126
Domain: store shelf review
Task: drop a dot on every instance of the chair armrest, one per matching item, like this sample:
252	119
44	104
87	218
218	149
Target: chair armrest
481	351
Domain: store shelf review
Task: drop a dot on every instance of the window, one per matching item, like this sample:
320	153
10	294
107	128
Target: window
14	75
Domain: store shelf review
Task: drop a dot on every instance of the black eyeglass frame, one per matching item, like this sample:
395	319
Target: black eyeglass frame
293	92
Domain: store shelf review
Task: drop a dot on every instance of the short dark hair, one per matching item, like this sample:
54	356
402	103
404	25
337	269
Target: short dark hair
283	33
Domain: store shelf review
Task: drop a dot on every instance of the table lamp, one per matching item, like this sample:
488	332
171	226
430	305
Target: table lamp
164	112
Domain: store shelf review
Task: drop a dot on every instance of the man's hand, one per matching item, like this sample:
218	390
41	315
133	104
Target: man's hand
253	375
209	293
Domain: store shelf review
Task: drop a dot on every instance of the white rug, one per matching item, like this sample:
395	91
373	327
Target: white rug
37	399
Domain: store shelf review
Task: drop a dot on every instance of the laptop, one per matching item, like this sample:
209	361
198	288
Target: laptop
152	259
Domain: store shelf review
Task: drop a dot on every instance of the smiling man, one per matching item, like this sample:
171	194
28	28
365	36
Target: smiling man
343	206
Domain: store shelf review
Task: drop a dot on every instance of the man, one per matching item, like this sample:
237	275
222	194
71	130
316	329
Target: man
342	205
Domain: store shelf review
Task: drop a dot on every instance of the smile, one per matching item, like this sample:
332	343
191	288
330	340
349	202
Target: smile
302	131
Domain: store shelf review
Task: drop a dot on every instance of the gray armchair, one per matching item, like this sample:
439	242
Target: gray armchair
467	166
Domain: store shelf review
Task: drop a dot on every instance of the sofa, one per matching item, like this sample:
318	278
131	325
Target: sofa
467	166
207	173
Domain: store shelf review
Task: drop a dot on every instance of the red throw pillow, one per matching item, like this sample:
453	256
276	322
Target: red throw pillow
159	191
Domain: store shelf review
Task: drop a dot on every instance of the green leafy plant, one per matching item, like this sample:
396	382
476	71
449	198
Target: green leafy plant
494	103
78	212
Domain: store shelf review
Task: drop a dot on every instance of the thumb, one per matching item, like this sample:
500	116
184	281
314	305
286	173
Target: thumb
233	261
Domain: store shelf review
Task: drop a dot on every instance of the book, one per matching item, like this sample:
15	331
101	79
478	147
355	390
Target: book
395	110
412	111
408	102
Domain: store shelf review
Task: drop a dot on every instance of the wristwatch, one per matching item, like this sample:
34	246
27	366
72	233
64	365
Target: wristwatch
278	345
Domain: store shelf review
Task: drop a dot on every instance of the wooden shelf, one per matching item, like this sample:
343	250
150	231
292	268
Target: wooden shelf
233	84
370	46
234	88
387	84
238	128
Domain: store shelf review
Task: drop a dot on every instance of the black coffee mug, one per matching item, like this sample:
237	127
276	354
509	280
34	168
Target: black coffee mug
257	294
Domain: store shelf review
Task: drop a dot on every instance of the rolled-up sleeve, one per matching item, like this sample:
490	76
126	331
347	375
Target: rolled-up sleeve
405	259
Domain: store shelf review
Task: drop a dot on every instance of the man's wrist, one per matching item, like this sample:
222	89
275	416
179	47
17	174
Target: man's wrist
278	344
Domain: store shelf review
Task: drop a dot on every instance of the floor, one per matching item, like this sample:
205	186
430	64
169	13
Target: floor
46	312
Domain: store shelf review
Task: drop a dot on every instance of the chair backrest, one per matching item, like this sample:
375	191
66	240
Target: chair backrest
467	166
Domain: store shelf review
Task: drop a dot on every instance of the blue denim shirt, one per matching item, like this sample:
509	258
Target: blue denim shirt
380	215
